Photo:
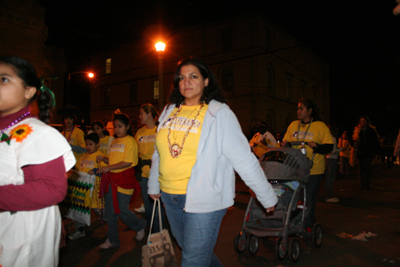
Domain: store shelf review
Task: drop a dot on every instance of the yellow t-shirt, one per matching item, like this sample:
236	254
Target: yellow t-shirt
105	143
76	138
175	172
319	133
146	139
123	149
85	164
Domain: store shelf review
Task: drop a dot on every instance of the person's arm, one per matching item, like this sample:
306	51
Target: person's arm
45	185
243	161
103	159
117	166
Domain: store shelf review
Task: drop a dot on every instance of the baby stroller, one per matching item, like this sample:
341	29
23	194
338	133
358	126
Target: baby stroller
288	170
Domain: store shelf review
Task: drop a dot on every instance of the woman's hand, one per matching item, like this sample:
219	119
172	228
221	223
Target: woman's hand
100	158
312	144
155	197
271	209
91	172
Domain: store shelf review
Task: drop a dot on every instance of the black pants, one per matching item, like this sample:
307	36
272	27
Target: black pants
365	171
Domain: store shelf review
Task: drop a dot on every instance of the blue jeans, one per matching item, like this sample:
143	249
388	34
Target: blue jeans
148	207
196	233
330	175
127	216
312	190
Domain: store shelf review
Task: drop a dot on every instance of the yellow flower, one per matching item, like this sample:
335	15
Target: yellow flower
21	132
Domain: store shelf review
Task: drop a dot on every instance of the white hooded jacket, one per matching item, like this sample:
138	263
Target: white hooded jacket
222	149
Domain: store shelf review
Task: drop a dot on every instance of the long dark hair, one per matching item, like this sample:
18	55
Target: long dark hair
125	120
27	73
211	91
308	103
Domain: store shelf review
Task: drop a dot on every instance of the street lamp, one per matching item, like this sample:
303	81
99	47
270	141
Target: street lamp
67	100
160	47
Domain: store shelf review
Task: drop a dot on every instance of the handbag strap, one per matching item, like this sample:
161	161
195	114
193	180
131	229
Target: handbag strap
152	217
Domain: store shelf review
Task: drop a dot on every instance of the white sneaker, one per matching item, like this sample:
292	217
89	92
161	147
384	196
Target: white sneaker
107	245
141	209
140	235
332	200
76	235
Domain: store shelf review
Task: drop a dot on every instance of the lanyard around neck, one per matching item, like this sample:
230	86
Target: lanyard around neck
305	134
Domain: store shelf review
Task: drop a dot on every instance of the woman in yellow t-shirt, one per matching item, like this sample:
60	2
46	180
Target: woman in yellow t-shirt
309	128
146	138
199	144
119	183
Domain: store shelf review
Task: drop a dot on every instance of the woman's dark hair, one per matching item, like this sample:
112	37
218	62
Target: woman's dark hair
308	103
211	91
125	120
93	137
27	73
366	118
150	108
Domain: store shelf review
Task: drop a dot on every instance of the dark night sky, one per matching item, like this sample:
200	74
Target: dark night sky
359	39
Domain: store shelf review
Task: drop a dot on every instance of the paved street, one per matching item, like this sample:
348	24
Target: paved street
377	211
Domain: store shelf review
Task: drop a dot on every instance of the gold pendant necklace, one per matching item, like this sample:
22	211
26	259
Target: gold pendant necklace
175	150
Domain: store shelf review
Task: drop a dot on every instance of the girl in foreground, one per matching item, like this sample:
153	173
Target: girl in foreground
34	158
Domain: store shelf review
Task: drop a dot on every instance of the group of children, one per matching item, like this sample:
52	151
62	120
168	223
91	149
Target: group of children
113	161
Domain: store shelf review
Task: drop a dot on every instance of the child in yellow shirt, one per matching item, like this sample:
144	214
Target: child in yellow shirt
88	164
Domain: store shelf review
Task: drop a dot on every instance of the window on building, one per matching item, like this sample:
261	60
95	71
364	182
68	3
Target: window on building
107	96
156	88
133	93
271	121
315	92
227	79
289	78
226	40
270	81
303	85
288	121
108	65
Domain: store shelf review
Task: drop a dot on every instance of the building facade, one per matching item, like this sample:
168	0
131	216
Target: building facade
262	70
24	33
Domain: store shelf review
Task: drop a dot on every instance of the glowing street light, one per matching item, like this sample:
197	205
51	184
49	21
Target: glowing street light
68	94
160	47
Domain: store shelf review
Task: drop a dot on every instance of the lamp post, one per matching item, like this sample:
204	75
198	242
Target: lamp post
160	47
67	100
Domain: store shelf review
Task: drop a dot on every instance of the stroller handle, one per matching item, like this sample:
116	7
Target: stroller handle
298	143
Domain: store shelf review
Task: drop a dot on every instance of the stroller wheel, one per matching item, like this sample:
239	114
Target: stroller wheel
294	250
280	251
239	243
316	235
252	244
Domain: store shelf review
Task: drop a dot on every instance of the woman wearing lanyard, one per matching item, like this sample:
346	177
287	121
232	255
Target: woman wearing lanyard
199	143
310	129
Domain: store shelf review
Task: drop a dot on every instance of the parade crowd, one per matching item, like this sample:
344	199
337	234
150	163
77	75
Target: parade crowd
187	156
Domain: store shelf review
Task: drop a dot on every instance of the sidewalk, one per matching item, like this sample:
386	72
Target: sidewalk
377	211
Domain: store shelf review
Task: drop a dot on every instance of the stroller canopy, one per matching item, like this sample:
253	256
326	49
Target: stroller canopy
286	163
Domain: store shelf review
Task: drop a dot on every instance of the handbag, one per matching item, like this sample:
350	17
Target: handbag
158	251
